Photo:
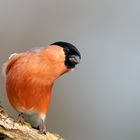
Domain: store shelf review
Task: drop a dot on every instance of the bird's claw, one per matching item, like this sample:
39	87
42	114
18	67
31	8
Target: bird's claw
42	128
20	119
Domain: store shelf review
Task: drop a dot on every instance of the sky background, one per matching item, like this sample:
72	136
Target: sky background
100	100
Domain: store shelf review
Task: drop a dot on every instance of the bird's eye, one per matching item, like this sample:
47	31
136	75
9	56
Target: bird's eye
67	49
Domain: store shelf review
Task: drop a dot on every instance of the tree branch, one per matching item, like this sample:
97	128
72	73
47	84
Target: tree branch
9	128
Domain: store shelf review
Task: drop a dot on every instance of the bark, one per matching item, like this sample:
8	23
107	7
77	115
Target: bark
17	131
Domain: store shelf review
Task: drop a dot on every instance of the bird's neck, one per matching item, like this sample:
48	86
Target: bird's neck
53	62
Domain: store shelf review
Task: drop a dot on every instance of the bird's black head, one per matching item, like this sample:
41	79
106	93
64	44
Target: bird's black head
72	54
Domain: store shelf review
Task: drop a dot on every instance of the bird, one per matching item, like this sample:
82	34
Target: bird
30	77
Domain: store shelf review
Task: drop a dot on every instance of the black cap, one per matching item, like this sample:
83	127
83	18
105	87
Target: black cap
72	54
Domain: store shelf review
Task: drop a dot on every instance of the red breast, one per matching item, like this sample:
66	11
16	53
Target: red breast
30	77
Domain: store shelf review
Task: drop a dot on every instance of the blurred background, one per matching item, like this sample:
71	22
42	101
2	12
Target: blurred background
100	100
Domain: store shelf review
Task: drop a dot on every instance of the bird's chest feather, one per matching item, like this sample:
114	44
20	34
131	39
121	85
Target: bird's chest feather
29	86
30	81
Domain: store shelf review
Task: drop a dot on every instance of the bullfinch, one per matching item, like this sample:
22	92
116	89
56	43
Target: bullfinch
30	77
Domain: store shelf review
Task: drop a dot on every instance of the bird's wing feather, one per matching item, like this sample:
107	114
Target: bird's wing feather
36	49
12	59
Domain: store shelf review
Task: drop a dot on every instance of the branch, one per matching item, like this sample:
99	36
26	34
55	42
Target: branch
9	128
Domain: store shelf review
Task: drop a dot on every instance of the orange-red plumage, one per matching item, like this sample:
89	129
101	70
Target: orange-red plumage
30	90
30	76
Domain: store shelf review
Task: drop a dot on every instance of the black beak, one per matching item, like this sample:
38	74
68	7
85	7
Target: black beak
74	59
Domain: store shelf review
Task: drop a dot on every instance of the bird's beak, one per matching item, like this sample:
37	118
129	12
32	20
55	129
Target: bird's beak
74	59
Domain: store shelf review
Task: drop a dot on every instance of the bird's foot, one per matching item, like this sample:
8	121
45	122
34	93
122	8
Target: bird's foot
20	119
42	128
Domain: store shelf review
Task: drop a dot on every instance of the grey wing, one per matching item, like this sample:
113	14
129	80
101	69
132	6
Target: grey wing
36	49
